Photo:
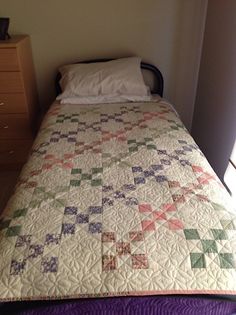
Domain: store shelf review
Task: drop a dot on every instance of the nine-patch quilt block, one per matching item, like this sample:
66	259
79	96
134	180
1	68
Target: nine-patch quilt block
116	199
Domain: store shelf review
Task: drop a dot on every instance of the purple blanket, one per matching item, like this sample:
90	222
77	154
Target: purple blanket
132	305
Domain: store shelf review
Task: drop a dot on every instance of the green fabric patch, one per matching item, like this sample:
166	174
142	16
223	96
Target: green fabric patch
133	149
131	141
59	203
75	182
151	146
219	234
217	206
13	231
226	261
4	224
209	246
20	213
191	234
76	171
197	260
227	224
97	170
35	203
49	195
39	190
86	177
62	188
96	182
141	143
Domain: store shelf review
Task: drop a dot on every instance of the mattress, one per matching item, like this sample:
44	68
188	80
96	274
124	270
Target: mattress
116	200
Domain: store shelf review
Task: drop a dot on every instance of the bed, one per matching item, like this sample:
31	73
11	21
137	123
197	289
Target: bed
117	211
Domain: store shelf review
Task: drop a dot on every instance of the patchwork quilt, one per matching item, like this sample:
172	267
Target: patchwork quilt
116	200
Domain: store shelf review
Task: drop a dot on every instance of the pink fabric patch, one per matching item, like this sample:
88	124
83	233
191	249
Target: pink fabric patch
169	207
145	208
49	156
139	261
148	225
158	215
175	224
136	236
197	169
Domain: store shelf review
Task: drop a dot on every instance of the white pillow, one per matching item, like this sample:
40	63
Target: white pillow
104	99
116	77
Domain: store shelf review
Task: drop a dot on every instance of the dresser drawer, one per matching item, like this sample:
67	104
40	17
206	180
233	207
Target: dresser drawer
13	154
15	126
9	60
13	103
11	82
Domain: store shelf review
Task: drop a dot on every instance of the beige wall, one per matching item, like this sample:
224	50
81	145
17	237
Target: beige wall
214	123
167	33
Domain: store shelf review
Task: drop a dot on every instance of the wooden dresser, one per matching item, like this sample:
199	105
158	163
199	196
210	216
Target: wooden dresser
18	101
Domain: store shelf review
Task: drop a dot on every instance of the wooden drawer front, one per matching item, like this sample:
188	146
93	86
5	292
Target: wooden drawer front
13	153
11	82
14	126
13	103
9	60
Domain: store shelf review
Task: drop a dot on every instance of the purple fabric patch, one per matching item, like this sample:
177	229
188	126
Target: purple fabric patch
184	162
161	178
179	152
68	228
95	227
95	209
23	240
129	187
35	251
107	188
131	201
187	149
107	202
52	239
136	169
82	218
71	210
139	180
157	167
17	267
149	173
49	264
119	195
160	152
165	162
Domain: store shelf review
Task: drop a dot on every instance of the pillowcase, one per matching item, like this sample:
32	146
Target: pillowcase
104	99
114	78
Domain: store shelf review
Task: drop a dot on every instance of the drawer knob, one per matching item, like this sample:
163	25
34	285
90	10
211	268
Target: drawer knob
11	152
5	127
2	104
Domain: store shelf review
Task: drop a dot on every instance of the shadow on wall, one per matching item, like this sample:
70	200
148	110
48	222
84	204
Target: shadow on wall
165	33
214	122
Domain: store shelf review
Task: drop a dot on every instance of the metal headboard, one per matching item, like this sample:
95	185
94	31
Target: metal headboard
159	86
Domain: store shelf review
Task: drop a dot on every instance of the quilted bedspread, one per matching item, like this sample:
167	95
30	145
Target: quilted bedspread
116	200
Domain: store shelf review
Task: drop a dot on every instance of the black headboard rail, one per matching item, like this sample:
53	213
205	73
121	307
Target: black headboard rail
146	66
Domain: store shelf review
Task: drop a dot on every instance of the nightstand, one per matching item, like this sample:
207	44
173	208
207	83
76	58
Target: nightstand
18	101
